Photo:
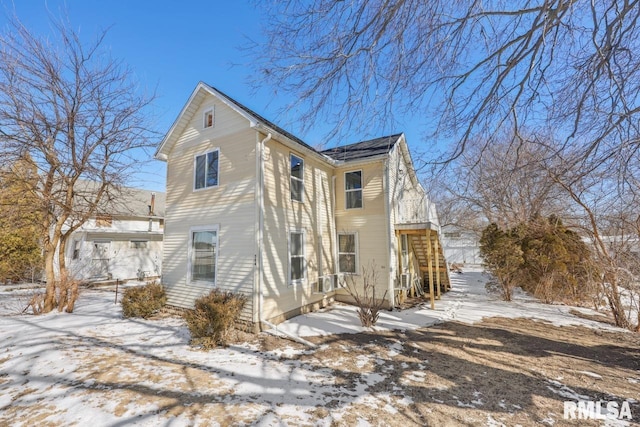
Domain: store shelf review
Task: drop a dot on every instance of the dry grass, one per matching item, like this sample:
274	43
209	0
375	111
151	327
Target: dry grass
502	371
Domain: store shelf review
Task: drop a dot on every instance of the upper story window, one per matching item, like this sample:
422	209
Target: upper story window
297	178
206	170
353	189
208	118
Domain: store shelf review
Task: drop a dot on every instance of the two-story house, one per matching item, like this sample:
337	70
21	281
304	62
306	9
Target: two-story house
251	208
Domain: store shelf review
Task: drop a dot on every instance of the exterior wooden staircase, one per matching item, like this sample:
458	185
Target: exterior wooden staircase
425	249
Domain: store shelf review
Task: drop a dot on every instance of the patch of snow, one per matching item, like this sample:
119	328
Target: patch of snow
468	301
591	374
566	392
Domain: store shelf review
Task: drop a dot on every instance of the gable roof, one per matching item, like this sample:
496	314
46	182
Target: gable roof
352	152
364	149
189	109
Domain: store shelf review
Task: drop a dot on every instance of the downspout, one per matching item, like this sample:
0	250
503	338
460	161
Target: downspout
387	213
335	227
259	260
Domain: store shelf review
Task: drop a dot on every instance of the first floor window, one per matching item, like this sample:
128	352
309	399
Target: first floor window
296	256
353	189
203	255
76	249
206	170
347	255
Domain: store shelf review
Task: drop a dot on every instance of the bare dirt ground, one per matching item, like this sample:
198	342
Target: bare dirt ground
497	372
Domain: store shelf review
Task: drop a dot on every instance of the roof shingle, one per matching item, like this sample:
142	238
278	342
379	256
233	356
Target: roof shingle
364	149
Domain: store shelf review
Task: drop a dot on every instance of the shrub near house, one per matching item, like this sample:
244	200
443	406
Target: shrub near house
542	256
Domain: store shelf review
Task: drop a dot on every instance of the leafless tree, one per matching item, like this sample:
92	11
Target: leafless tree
472	69
78	114
507	183
604	198
364	295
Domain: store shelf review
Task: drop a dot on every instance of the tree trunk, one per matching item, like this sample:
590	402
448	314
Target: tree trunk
616	305
50	292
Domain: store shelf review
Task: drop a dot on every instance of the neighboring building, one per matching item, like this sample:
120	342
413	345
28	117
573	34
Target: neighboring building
124	244
253	209
461	246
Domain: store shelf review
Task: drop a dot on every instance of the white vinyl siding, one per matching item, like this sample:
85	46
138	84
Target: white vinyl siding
348	253
206	170
231	205
353	189
297	263
297	178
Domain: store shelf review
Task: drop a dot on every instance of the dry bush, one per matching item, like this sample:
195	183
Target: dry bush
368	304
143	301
214	317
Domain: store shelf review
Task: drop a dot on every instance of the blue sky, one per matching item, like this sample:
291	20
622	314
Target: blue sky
172	45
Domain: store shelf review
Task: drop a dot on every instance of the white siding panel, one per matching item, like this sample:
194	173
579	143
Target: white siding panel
230	205
369	222
313	217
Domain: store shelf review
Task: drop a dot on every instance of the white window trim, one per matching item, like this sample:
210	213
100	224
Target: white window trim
299	179
216	228
353	191
212	110
357	253
304	257
195	167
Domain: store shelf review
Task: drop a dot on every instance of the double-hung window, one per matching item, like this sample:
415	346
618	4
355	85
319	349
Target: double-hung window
297	178
202	259
353	189
296	257
206	170
347	253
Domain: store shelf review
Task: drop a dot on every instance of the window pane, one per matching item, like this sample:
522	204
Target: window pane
297	167
297	268
347	243
212	169
296	243
208	119
204	256
353	180
297	188
354	199
347	263
200	171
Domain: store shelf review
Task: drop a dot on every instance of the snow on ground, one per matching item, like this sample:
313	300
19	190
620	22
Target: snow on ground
467	302
95	366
